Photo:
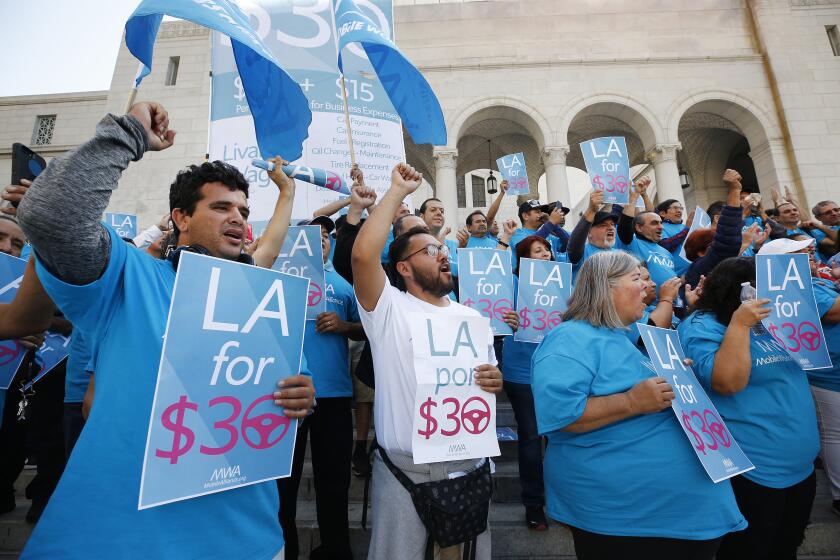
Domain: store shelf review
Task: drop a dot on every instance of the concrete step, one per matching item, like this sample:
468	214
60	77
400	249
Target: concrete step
512	540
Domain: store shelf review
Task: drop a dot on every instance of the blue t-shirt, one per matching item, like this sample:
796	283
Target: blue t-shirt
670	229
327	354
819	236
659	261
632	331
453	255
828	378
773	418
93	511
78	375
612	480
383	256
588	250
486	242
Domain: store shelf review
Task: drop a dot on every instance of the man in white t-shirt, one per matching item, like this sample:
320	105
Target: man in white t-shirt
423	281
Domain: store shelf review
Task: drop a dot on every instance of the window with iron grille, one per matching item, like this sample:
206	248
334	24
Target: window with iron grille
44	127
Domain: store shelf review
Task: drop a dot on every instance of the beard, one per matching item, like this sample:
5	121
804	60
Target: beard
434	283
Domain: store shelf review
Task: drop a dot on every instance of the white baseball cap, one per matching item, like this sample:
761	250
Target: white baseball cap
784	246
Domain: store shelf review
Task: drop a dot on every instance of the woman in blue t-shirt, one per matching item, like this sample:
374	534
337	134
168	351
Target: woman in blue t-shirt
619	469
516	366
763	396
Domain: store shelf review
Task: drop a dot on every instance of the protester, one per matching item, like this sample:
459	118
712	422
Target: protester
608	421
825	227
432	212
640	234
363	375
763	397
825	382
532	216
595	232
706	247
330	427
120	298
516	370
477	233
424	277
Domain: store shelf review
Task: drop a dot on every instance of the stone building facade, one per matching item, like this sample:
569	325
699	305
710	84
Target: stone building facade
694	86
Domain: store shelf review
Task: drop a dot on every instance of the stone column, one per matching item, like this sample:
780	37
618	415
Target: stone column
556	181
664	160
446	185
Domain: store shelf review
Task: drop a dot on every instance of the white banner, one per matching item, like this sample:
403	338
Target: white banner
302	37
454	418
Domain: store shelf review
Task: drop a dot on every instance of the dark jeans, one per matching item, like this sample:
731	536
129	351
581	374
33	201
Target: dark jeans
777	518
594	546
498	346
73	424
530	443
331	431
40	436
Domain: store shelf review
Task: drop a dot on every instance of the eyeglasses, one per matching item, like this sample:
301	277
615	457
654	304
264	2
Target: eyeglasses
432	250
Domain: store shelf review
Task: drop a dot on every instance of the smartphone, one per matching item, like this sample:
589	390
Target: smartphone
26	164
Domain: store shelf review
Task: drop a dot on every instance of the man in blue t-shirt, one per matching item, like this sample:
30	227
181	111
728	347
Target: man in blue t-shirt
535	221
119	298
828	214
331	424
640	234
432	212
476	235
674	231
595	232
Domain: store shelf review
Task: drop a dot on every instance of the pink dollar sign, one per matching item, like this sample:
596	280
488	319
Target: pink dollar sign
178	429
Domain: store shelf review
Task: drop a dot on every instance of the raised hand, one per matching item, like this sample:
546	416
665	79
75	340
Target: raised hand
731	178
285	183
596	200
14	194
155	120
463	236
362	197
406	178
751	312
357	176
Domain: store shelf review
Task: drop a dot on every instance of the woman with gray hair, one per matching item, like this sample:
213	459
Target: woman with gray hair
619	469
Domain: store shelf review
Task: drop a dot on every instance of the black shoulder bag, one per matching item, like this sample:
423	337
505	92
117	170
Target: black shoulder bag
453	510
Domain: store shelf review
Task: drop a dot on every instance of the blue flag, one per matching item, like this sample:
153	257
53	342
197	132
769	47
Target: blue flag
233	332
11	352
794	320
280	110
485	283
408	90
714	445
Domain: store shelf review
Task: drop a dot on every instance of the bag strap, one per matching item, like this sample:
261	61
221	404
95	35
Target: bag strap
398	474
373	447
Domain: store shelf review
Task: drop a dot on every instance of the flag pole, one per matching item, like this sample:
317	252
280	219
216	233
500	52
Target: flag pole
132	93
347	123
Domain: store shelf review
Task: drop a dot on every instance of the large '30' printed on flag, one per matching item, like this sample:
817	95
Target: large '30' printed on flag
234	331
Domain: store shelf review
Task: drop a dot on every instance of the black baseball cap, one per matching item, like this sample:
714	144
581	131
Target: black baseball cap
325	221
601	217
532	204
553	205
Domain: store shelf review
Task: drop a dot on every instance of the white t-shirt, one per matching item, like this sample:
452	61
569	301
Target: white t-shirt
388	331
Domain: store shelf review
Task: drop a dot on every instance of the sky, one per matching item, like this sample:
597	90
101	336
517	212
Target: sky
59	46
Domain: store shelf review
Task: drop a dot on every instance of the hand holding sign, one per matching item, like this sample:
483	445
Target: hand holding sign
713	444
792	319
512	169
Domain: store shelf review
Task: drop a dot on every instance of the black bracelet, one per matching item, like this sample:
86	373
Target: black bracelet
503	244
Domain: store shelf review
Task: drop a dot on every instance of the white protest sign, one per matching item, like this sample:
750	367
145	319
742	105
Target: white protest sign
453	418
